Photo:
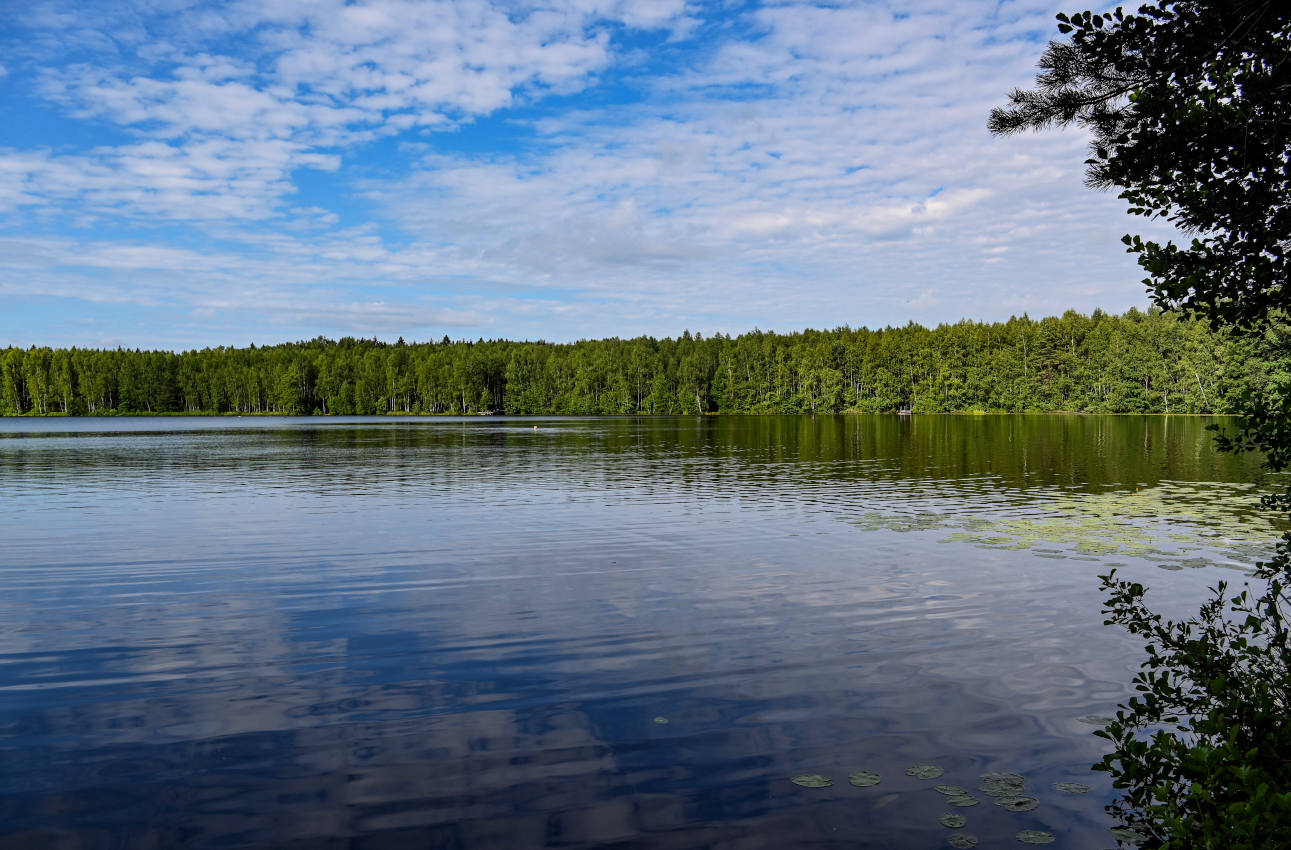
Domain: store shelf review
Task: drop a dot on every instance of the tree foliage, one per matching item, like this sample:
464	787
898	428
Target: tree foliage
1135	363
1189	107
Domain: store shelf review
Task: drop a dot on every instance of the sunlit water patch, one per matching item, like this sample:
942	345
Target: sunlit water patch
665	633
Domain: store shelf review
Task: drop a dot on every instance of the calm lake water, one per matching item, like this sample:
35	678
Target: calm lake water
435	633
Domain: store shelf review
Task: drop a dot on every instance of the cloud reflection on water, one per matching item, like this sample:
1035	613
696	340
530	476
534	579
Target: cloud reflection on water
458	634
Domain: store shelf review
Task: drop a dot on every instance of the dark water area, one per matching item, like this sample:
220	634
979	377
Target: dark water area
435	633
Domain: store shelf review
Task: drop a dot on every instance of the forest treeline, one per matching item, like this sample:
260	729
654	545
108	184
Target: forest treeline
1139	362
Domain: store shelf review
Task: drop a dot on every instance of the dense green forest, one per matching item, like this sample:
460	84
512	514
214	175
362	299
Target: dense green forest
1136	362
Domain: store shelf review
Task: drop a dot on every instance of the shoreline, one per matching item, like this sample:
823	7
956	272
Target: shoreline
231	415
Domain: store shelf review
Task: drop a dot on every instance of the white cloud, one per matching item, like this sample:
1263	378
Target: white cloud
329	75
798	165
204	180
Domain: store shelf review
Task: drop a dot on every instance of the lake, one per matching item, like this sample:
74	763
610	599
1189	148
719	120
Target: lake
630	633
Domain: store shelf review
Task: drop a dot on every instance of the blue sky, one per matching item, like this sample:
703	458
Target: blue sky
176	174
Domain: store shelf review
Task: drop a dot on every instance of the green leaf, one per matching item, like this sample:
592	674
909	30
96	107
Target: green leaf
1017	804
812	780
924	771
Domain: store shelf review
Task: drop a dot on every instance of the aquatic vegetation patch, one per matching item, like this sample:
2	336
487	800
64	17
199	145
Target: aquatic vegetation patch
1017	804
1035	836
1096	547
1095	719
951	790
953	821
863	779
962	802
661	720
1002	784
961	841
1072	787
812	780
1182	525
924	771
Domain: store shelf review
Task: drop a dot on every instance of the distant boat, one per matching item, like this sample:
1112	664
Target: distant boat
905	411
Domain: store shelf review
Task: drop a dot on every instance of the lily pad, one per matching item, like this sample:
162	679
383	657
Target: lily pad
924	771
812	780
962	802
863	779
951	790
1128	836
1072	787
1017	804
1035	836
960	841
1003	784
953	821
1005	778
662	721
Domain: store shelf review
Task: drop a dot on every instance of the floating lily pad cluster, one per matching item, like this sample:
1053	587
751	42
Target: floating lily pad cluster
1177	524
1017	804
1007	790
1002	784
956	796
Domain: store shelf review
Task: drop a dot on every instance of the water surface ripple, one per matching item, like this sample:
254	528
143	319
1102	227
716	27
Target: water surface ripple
370	633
